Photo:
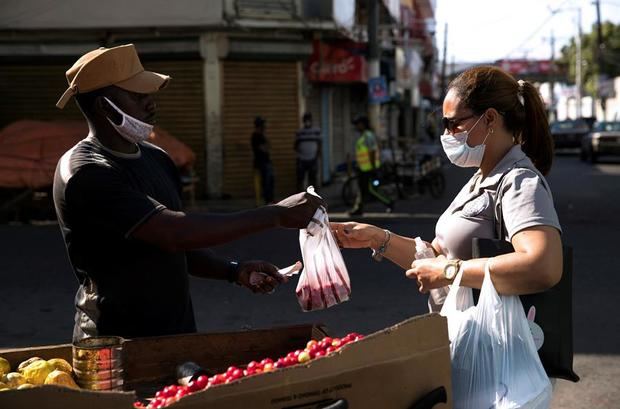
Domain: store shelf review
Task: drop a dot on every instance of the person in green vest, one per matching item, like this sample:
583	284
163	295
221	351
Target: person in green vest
368	163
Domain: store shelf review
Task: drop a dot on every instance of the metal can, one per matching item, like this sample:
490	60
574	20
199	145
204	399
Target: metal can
98	363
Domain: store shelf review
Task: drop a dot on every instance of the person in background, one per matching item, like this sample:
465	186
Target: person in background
308	148
117	197
368	163
263	168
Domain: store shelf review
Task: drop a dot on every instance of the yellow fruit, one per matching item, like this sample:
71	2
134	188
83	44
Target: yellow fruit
60	364
5	366
27	362
58	377
4	389
25	386
3	385
36	372
14	379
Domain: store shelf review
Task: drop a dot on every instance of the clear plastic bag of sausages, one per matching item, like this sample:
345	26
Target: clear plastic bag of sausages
324	281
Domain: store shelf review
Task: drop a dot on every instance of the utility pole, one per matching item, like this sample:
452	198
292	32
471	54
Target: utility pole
578	66
599	57
373	57
551	80
444	62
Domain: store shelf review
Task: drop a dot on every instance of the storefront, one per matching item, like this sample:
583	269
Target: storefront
336	92
180	107
269	89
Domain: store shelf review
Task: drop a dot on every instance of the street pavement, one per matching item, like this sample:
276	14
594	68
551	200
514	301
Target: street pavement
37	286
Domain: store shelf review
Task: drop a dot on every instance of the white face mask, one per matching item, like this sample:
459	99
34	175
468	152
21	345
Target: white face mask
459	152
132	129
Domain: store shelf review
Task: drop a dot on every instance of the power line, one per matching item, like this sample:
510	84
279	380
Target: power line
544	23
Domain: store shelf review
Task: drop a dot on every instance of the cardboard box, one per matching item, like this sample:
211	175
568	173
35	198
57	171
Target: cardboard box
393	368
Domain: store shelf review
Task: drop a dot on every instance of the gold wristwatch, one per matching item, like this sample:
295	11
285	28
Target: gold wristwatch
451	269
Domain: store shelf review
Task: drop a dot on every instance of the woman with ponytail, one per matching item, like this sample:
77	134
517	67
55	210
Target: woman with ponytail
498	125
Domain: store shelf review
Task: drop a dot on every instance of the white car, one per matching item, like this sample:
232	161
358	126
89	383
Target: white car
604	139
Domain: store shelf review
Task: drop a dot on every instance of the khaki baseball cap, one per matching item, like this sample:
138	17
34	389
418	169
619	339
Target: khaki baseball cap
103	67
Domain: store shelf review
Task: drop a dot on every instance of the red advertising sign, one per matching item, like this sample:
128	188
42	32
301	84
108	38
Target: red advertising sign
523	67
341	61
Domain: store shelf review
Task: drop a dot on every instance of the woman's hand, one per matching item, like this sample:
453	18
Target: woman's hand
429	273
355	235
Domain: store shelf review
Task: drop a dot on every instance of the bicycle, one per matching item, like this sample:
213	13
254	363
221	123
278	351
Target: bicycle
422	175
384	182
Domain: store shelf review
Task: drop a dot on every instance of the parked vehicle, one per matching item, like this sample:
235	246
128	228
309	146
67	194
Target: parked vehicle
603	140
569	133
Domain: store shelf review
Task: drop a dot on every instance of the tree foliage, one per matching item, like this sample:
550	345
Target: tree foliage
610	56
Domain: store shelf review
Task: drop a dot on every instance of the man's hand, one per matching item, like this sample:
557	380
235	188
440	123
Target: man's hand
296	211
259	276
428	272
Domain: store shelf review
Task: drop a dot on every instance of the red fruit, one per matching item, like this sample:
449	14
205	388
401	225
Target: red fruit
182	392
249	372
328	340
311	343
329	350
231	369
254	365
266	361
268	367
193	386
138	405
324	344
290	361
236	374
217	379
280	363
171	390
202	381
160	394
170	401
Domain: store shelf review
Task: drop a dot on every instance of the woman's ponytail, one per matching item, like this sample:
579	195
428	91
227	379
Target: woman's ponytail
535	138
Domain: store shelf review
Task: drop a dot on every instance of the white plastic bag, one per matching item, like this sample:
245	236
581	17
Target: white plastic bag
494	359
324	280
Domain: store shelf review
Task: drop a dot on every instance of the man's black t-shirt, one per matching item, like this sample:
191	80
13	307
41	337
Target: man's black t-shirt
127	287
260	157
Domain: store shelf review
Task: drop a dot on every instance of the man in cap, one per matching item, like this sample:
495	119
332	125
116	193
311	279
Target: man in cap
263	168
117	198
308	149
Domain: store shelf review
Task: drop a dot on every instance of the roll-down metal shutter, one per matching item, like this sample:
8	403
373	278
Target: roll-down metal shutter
180	109
271	90
30	91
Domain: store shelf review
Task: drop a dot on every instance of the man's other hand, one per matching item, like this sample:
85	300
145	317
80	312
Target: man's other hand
259	276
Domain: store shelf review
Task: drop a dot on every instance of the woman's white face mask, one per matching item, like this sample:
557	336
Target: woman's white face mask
459	152
131	129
